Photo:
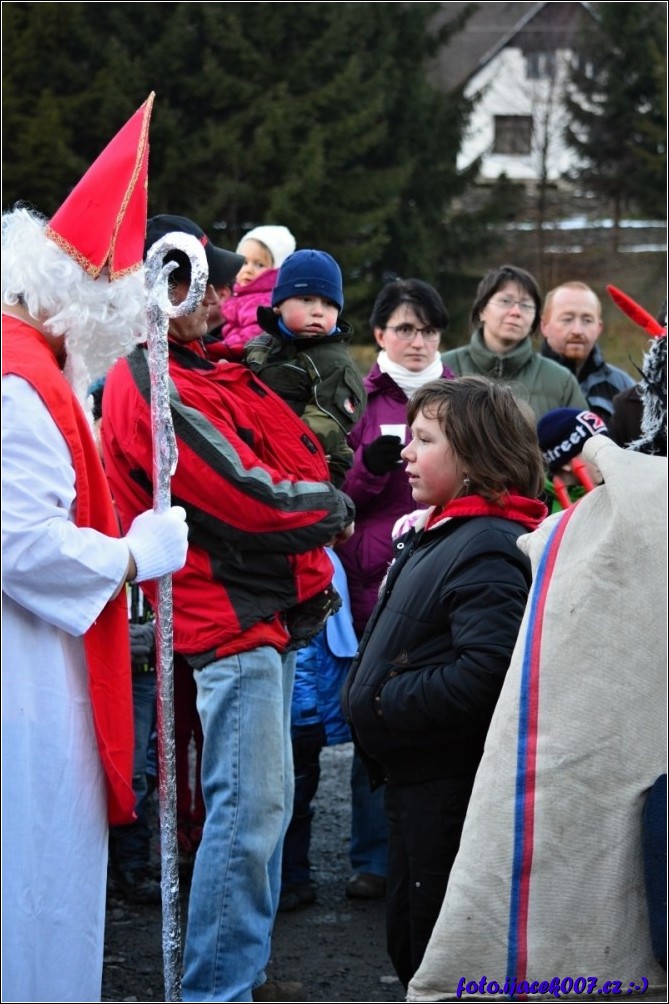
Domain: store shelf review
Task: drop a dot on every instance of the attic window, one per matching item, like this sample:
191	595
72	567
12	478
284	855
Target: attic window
540	65
582	63
513	134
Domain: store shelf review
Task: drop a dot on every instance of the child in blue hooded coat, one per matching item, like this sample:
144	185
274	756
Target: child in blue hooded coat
317	720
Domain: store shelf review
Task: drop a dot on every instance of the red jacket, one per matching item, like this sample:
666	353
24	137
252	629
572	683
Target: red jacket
253	481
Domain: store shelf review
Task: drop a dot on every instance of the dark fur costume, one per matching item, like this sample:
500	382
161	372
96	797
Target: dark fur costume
653	391
652	387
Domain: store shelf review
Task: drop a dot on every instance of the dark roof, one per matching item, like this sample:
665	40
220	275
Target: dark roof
493	26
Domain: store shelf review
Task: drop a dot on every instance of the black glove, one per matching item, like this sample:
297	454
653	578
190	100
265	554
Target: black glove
307	740
142	641
382	454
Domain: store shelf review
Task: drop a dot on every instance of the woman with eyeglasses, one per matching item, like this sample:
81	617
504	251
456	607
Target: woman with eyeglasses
505	315
407	321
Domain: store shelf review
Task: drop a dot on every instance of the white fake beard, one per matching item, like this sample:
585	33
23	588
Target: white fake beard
89	357
107	326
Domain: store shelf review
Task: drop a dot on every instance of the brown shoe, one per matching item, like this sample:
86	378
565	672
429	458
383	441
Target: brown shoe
274	990
366	886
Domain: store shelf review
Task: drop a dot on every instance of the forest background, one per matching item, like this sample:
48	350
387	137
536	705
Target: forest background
325	117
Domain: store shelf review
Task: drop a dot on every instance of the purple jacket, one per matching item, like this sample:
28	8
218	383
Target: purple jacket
380	499
239	313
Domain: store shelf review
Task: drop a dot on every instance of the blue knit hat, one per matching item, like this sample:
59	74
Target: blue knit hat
563	432
309	273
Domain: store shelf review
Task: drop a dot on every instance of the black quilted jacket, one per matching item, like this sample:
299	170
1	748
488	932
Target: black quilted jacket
421	692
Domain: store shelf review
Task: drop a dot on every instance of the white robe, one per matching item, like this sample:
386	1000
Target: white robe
57	577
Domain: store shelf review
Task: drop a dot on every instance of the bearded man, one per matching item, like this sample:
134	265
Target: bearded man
571	323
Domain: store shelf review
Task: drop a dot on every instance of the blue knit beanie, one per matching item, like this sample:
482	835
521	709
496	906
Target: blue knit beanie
309	273
563	432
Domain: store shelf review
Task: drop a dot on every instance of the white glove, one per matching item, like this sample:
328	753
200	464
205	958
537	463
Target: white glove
158	542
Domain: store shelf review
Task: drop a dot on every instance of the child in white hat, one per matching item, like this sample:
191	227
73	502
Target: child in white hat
265	249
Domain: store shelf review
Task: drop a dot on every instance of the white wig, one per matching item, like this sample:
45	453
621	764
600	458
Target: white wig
101	320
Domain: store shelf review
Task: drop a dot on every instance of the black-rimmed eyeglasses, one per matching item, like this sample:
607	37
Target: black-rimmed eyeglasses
407	332
507	302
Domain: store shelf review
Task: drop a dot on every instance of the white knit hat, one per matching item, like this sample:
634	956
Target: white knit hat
278	240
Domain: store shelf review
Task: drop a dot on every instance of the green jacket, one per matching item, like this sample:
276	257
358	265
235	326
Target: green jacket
544	384
318	379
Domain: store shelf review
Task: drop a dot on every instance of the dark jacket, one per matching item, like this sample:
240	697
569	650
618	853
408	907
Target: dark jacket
599	380
422	690
624	425
317	377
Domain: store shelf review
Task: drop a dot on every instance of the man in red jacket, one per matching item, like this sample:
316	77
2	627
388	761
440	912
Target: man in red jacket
73	301
254	483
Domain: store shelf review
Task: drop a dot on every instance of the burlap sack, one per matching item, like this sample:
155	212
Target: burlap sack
549	879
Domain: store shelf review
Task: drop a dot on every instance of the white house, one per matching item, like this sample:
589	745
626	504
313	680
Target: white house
513	59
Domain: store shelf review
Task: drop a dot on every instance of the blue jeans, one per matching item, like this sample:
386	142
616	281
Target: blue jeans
247	780
369	826
130	846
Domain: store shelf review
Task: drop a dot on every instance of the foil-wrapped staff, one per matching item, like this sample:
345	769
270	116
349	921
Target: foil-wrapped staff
159	312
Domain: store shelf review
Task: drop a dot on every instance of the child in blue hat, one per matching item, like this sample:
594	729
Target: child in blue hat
562	434
303	354
303	357
317	720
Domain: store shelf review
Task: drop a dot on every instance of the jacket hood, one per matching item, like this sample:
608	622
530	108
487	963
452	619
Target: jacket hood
530	513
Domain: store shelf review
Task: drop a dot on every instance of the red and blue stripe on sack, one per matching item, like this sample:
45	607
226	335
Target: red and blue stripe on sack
523	845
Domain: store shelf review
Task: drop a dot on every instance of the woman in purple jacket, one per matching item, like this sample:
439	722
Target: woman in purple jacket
408	319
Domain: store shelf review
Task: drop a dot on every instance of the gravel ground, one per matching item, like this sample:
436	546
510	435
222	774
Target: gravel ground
335	947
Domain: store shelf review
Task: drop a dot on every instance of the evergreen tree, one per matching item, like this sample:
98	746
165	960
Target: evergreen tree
68	85
618	106
320	116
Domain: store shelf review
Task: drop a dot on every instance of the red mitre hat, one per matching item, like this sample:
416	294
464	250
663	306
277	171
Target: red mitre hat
103	220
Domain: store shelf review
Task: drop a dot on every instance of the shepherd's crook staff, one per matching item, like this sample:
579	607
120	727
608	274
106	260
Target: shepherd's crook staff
159	311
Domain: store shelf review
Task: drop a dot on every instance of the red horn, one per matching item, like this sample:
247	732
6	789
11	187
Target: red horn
635	312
